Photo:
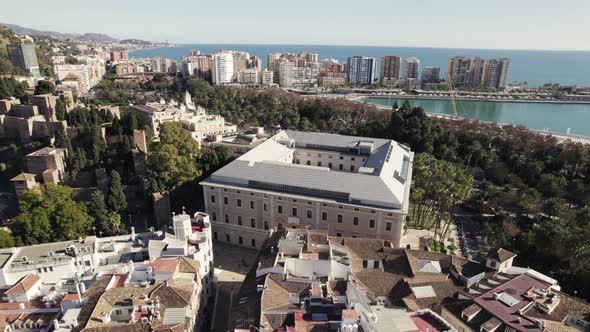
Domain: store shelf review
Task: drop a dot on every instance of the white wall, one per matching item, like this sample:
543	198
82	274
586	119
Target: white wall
305	268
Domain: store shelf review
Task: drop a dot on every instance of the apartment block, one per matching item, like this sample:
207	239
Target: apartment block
349	186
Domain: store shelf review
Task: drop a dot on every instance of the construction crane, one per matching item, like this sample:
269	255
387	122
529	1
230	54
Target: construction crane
452	95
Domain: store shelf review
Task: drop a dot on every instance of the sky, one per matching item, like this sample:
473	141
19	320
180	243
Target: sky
499	24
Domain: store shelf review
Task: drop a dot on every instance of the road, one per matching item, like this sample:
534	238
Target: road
231	265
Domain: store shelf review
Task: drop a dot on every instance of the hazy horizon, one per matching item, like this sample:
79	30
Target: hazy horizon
523	25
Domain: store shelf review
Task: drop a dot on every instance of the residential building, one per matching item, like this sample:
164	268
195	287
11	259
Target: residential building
389	68
162	65
78	73
477	72
119	55
249	76
199	65
350	186
223	68
411	67
361	70
286	73
267	77
138	281
24	56
430	75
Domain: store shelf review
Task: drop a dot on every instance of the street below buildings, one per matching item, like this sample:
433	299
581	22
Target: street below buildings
231	265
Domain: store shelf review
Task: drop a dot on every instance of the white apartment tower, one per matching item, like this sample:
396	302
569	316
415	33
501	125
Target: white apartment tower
223	68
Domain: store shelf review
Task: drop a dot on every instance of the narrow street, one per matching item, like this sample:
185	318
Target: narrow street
230	271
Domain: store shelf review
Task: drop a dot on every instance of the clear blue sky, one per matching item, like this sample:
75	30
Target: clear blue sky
508	24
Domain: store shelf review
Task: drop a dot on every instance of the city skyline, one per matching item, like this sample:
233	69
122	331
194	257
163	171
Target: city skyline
439	27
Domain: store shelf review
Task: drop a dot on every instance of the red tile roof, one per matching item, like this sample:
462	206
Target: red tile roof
164	265
24	284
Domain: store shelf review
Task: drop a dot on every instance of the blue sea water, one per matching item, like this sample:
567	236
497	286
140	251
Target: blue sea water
534	67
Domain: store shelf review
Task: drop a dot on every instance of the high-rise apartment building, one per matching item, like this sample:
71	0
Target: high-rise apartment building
286	73
361	70
430	74
477	72
24	56
389	68
411	67
223	68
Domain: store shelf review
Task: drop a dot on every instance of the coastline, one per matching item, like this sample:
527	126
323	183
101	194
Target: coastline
462	98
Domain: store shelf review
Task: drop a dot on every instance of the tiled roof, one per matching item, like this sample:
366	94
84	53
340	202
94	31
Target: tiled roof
24	177
568	305
164	265
500	254
24	284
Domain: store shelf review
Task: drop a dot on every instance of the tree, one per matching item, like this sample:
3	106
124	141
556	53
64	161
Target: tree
98	209
174	158
48	214
438	187
60	110
44	87
6	240
115	196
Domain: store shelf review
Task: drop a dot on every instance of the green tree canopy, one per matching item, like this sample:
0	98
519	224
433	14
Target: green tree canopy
115	195
48	214
44	87
173	159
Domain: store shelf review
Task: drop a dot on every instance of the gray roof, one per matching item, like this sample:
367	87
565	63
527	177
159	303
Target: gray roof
383	183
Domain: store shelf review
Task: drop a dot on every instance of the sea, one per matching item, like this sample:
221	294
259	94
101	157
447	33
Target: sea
533	67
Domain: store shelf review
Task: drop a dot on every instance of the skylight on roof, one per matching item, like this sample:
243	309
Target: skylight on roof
506	298
423	292
428	266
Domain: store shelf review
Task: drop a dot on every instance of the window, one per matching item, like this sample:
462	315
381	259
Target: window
215	236
253	242
375	264
297	161
365	263
324	216
240	220
371	223
338	235
319	155
341	158
51	268
330	165
387	226
225	200
341	167
39	270
352	158
294	212
118	312
339	218
214	216
212	198
356	209
280	209
227	239
352	168
266	225
252	205
226	218
355	221
319	164
265	206
308	162
253	223
309	214
239	202
87	263
240	240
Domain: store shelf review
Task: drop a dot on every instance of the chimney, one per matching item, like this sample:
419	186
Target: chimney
56	324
